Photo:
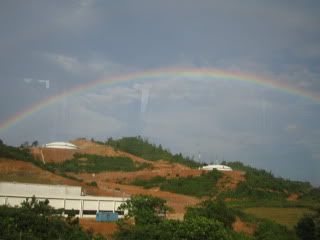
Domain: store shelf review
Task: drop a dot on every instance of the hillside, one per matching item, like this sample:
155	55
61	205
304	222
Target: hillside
104	170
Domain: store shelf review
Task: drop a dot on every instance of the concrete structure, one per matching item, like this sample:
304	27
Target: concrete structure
217	167
59	196
60	145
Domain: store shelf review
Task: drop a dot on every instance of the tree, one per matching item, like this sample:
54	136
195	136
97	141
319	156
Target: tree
35	143
145	209
197	228
36	220
212	210
25	144
269	230
308	227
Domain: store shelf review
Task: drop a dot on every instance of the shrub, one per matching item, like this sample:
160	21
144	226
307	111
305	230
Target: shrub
268	230
213	210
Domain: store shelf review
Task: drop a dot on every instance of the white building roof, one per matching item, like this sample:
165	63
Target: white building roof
217	167
60	145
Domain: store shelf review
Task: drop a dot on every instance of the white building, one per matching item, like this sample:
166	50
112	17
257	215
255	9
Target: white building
60	197
60	145
217	167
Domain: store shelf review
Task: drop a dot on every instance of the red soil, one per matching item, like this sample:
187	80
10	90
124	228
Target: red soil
107	229
24	171
240	226
293	197
230	180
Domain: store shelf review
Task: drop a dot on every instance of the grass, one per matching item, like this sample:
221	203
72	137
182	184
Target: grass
284	216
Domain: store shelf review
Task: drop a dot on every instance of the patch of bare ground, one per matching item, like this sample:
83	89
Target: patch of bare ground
172	171
19	171
246	228
106	229
177	202
89	147
52	155
293	197
230	180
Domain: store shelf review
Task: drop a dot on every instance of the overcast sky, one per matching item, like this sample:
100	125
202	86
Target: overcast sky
68	43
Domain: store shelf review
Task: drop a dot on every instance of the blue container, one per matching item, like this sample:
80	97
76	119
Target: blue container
107	216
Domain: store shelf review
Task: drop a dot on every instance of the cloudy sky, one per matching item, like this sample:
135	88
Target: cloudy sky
47	47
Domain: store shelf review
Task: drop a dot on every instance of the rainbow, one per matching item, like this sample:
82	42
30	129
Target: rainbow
152	75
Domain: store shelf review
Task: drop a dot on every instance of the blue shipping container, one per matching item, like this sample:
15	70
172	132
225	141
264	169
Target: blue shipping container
106	216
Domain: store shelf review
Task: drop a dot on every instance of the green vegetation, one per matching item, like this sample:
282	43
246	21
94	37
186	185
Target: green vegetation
209	220
269	230
312	195
308	227
143	148
22	154
213	210
203	185
260	184
284	216
91	163
36	220
150	183
148	212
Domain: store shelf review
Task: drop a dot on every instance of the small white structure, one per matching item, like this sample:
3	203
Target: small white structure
60	145
217	167
60	197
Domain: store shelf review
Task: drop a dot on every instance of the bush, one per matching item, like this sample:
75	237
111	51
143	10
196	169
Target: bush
36	220
212	210
308	227
149	223
268	230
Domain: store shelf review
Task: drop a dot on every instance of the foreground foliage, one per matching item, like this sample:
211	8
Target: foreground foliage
148	213
308	227
213	210
36	220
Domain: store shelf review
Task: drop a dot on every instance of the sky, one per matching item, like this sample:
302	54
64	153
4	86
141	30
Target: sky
47	47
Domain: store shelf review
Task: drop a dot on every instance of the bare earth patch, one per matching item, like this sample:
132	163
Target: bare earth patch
240	226
106	229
